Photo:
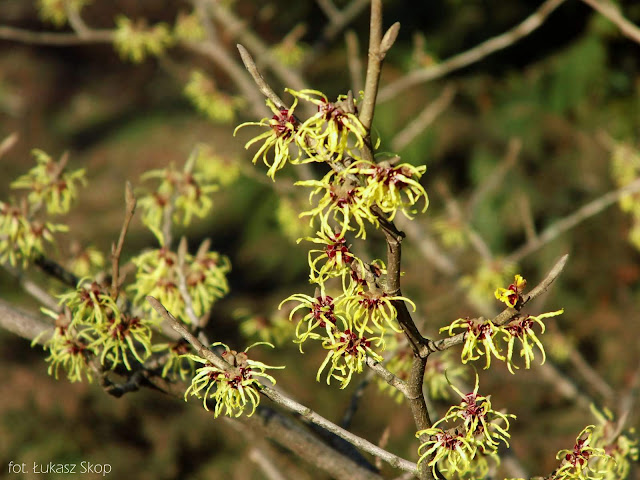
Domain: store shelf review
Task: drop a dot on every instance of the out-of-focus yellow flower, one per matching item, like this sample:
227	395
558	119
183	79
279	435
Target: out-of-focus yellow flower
135	40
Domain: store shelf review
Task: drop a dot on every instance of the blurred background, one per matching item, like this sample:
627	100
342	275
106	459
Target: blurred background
522	139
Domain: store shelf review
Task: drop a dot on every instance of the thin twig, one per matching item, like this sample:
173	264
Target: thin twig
353	60
55	39
263	86
379	45
23	324
344	18
55	270
496	177
329	9
455	211
33	289
116	250
270	471
561	226
280	398
347	418
472	55
426	117
612	12
8	143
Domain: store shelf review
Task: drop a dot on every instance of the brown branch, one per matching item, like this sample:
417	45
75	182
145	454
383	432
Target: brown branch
263	86
612	13
379	45
472	55
116	250
238	29
55	39
303	443
23	324
33	289
55	270
343	18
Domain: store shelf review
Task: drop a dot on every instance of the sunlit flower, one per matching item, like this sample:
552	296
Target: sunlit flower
233	390
90	304
482	424
159	275
283	129
329	130
347	354
341	202
480	339
322	314
176	362
512	294
451	452
335	253
368	309
180	193
392	188
621	447
68	349
120	336
522	329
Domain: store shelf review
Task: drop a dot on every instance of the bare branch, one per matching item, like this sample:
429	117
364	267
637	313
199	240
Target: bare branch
612	12
55	39
23	324
116	250
561	226
472	55
426	117
377	52
55	270
263	86
353	61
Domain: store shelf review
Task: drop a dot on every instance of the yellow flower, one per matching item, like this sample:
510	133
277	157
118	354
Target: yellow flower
392	188
232	393
282	133
480	339
327	133
342	202
522	329
512	294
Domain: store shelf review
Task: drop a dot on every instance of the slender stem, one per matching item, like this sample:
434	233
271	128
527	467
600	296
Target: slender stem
612	12
561	226
116	250
55	270
426	117
472	55
55	39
